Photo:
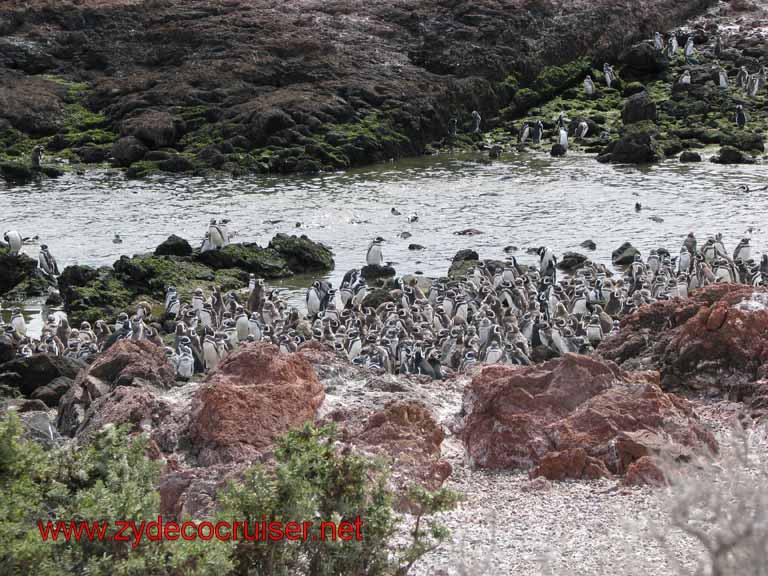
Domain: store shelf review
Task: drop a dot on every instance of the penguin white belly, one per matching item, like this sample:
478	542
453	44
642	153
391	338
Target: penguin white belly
313	302
186	366
242	328
494	356
254	329
211	355
19	325
374	256
594	334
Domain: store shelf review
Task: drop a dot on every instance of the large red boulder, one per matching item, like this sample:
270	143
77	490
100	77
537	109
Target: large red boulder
575	417
257	394
717	340
138	364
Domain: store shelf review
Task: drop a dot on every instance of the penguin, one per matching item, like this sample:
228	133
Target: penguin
684	261
689	50
690	243
672	47
582	129
685	78
374	256
594	330
256	297
741	116
117	239
538	132
547	262
589	86
658	42
216	238
251	283
185	364
610	75
743	251
242	325
254	326
563	139
17	322
742	78
14	242
198	300
210	353
313	299
718	47
523	133
752	85
476	119
36	159
47	262
722	77
493	354
452	127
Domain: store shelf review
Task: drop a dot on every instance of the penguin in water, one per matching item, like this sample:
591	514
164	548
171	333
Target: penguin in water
37	158
117	239
741	116
523	133
14	241
374	256
581	130
47	262
589	86
476	119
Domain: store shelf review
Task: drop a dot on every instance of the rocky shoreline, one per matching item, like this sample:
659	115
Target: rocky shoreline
283	94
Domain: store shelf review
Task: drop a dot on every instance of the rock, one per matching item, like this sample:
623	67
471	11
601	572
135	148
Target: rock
570	261
407	437
38	427
378	296
465	255
468	232
31	406
40	370
637	108
93	154
16	172
731	155
14	269
636	146
415	247
264	262
624	254
302	254
557	150
643	59
155	129
52	392
256	394
174	246
588	244
176	164
644	472
576	417
632	88
372	271
141	364
128	150
463	262
688	156
92	294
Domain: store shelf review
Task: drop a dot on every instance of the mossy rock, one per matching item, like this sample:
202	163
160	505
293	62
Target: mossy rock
15	269
302	254
16	172
743	140
252	258
93	294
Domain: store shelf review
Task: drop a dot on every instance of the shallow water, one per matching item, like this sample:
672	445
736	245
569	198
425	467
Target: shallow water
526	200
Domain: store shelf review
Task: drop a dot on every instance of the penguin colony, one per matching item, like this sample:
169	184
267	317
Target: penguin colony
495	313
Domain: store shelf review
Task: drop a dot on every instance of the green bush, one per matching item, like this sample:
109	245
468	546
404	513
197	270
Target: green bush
112	479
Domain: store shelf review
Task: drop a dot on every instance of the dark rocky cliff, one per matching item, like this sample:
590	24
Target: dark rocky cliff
260	85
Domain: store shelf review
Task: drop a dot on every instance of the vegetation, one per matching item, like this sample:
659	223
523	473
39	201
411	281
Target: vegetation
112	479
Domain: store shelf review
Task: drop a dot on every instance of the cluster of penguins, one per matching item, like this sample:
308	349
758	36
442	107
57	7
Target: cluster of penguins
497	312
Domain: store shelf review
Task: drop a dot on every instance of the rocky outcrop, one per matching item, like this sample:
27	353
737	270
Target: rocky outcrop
250	257
32	374
138	364
576	417
407	437
255	395
637	145
570	261
714	342
624	254
174	246
689	156
14	269
643	59
318	96
637	108
731	155
302	254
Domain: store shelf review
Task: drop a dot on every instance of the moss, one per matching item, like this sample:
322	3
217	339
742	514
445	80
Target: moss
263	262
142	169
302	254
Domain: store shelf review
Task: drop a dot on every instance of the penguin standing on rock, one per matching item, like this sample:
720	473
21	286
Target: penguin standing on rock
742	78
37	158
14	241
689	50
525	131
685	78
741	116
610	75
47	262
582	129
589	86
538	132
476	119
658	42
743	250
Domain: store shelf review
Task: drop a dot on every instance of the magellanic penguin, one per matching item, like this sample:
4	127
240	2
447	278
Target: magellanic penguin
685	78
216	236
313	299
374	256
742	78
476	119
538	132
582	129
658	42
589	86
523	133
689	50
14	241
609	74
743	251
37	157
47	262
741	116
563	139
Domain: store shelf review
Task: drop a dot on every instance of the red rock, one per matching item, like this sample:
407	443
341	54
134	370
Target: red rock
255	395
141	365
575	417
716	340
644	472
